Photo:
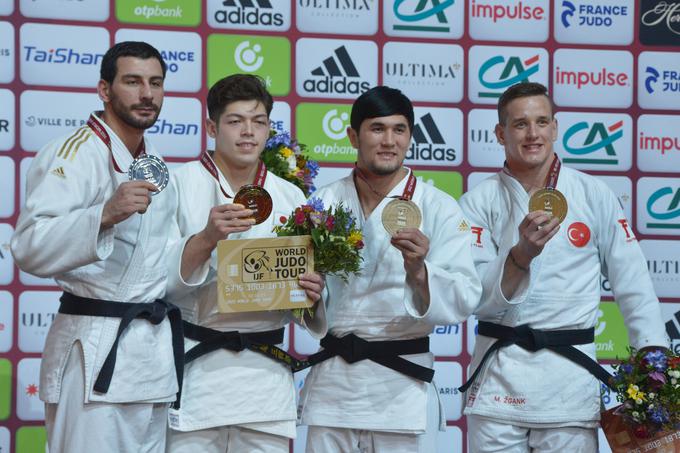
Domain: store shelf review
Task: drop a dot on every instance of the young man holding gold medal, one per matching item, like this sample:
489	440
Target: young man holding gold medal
234	398
96	220
542	235
371	386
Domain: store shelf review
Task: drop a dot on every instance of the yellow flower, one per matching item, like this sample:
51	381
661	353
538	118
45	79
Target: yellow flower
354	237
635	394
286	152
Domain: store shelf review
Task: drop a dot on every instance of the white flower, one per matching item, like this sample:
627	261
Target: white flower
292	162
638	401
674	381
651	395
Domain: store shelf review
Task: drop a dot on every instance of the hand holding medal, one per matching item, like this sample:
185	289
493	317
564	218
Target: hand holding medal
151	169
549	199
402	212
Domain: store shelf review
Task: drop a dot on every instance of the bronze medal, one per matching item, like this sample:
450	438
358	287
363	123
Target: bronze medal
400	213
256	198
551	201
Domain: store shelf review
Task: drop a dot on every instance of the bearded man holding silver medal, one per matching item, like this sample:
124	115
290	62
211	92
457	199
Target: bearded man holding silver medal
96	218
534	382
371	387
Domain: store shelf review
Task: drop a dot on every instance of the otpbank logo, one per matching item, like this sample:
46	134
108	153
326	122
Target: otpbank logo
587	22
424	18
493	69
450	182
593	141
325	131
437	137
593	78
266	56
658	80
61	55
659	143
273	15
161	12
334	68
658	206
611	338
358	17
517	20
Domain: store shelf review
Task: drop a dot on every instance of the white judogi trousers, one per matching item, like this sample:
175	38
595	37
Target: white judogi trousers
226	439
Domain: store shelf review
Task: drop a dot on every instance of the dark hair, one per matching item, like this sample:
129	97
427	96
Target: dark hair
137	49
521	90
238	87
381	101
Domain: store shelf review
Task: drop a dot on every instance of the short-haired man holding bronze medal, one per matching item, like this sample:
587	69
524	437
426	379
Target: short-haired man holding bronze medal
96	220
541	235
235	398
371	387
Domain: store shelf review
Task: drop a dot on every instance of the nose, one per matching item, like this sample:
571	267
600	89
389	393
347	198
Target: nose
145	91
532	130
388	138
247	128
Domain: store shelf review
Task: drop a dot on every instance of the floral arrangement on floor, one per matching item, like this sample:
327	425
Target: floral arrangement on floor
286	158
648	386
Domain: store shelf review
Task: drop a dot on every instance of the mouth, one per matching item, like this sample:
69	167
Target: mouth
145	109
533	147
247	145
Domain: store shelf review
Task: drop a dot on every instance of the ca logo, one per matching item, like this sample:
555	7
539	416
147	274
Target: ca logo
247	58
601	324
334	125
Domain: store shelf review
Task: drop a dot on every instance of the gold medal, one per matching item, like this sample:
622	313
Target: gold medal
255	198
551	201
400	214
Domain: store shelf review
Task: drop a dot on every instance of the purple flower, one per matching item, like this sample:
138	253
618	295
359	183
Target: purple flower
657	359
282	138
657	376
316	204
658	414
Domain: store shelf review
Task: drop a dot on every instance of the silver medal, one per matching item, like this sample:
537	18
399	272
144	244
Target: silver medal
152	169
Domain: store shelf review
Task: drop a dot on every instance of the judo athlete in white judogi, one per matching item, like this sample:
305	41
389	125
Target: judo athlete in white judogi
420	277
541	294
103	239
234	399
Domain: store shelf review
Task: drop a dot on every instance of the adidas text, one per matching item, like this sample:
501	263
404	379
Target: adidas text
255	17
328	85
428	152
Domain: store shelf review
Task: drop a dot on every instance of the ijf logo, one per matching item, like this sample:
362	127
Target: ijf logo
326	136
433	145
659	143
249	14
595	140
658	206
586	22
493	69
335	68
358	17
425	18
658	81
663	263
524	20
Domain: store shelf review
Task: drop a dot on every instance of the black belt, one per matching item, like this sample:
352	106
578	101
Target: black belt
154	312
559	341
353	349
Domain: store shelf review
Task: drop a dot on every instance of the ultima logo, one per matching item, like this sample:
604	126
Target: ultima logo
590	14
436	9
519	11
62	55
425	149
583	78
660	208
332	79
670	81
248	12
514	71
597	137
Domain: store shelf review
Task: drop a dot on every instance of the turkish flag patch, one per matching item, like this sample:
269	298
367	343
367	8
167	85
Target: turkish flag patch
578	234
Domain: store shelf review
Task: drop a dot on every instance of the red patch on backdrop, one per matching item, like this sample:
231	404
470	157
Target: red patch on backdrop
578	234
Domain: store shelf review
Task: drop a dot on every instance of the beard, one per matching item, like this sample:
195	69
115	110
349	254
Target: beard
126	114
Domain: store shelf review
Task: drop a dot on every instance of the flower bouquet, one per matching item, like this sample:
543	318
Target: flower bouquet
285	158
648	386
337	241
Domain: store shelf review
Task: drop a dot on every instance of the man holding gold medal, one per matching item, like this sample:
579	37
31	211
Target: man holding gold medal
96	220
371	385
235	398
542	235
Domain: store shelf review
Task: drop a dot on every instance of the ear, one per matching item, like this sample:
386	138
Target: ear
353	137
554	132
211	127
103	90
500	134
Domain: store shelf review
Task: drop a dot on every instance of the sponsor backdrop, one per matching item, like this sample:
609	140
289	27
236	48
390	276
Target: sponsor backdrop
612	66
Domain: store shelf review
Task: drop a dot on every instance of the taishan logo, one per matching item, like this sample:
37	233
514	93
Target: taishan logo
420	13
518	11
424	149
664	205
62	55
331	78
514	71
248	12
670	80
662	144
585	78
598	136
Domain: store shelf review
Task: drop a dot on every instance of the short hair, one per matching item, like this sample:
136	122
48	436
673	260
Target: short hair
521	90
137	49
381	101
238	87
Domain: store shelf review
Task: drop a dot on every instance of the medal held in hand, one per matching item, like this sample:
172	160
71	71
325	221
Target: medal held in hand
152	169
400	213
549	199
256	198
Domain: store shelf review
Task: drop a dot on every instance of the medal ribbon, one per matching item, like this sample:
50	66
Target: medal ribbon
407	194
209	164
553	174
100	131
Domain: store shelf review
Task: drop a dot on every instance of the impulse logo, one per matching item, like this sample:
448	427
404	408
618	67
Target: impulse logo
597	137
519	11
591	15
329	69
581	79
61	55
662	143
248	12
436	9
428	149
670	81
514	71
664	205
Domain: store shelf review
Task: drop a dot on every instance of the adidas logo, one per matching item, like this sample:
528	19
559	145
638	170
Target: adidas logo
248	12
674	333
340	66
423	149
463	226
59	171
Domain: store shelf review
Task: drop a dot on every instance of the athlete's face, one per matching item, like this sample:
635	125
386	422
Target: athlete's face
381	143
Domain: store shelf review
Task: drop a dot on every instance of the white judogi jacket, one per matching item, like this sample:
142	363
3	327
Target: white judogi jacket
223	387
58	235
561	291
378	305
